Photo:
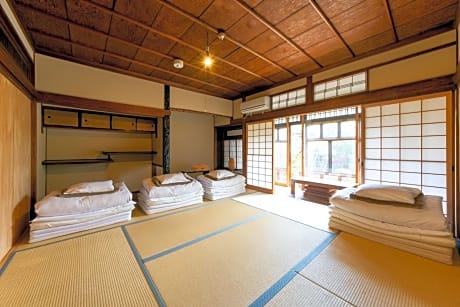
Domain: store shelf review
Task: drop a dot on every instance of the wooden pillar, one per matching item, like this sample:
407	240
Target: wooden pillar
166	130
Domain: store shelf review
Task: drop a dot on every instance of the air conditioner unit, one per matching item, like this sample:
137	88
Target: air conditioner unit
256	105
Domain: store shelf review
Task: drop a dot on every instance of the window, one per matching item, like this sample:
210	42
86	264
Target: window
330	143
344	86
233	149
289	99
229	145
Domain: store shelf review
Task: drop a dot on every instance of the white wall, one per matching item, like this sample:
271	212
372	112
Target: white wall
58	76
192	140
183	99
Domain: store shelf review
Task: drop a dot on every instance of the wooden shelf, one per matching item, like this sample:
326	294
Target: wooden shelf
76	161
133	152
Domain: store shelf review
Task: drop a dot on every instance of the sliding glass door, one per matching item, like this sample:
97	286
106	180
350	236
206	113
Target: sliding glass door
259	144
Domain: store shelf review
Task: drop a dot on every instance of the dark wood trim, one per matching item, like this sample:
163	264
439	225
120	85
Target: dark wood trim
309	91
391	20
331	27
12	56
261	19
397	92
99	105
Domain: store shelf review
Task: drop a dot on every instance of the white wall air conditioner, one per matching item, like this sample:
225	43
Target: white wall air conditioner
256	105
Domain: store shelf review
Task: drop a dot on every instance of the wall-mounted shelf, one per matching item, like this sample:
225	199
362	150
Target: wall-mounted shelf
128	152
76	161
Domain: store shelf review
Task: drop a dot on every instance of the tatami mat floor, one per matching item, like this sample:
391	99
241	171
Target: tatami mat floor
256	249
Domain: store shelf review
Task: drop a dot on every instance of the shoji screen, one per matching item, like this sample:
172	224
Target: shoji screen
406	143
260	154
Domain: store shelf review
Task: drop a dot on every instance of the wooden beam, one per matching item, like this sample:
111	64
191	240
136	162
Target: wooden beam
386	3
100	105
172	38
276	31
420	88
227	37
326	20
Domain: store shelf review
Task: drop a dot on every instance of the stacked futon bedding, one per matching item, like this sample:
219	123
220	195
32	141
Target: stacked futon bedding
169	191
221	183
401	217
82	206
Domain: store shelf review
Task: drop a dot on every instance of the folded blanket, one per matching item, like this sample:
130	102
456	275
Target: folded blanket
53	205
429	217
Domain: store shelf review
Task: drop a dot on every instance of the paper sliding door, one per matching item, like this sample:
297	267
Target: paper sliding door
259	155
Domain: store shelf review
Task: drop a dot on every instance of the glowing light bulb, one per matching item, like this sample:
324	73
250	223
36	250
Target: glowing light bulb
207	61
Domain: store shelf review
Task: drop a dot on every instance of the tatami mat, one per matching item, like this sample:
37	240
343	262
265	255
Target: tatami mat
93	270
302	292
366	273
235	267
159	234
305	212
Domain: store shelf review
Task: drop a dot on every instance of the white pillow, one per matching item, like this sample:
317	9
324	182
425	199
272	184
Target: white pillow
220	174
90	187
388	192
172	178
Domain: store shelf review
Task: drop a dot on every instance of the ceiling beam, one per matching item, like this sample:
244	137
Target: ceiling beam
227	37
323	16
150	51
391	20
261	19
172	38
124	58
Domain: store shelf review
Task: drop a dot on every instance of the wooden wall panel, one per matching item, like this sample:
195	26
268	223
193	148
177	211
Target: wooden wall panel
15	155
6	173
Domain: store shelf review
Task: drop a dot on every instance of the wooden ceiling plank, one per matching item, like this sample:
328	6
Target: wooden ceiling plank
171	37
156	53
386	3
275	30
331	26
227	37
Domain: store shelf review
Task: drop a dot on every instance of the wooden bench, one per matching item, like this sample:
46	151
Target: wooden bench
318	190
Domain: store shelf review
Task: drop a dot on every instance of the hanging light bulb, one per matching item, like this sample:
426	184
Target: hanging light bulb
207	59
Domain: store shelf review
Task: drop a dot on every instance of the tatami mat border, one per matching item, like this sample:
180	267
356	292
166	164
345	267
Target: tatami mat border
140	262
283	281
204	237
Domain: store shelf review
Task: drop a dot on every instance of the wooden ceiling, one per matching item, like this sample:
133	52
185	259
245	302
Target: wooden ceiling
267	42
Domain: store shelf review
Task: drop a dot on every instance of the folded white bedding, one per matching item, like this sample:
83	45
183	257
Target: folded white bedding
213	194
222	183
39	235
168	199
441	254
430	217
150	207
153	191
53	205
44	222
440	238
